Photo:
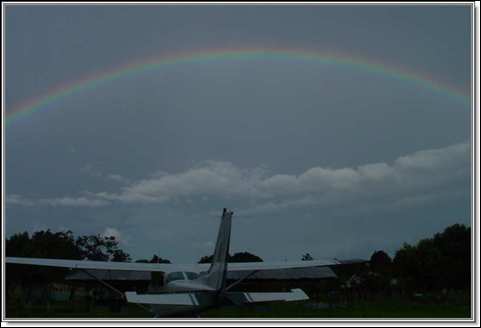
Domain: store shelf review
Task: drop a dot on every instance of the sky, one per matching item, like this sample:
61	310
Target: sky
333	130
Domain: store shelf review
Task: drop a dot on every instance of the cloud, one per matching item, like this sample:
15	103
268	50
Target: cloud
73	201
220	179
18	200
421	170
112	232
416	176
118	178
90	170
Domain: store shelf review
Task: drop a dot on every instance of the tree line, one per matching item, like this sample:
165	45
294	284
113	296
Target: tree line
443	261
63	245
57	245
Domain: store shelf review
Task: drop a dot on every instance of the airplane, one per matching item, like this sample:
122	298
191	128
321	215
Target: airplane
191	289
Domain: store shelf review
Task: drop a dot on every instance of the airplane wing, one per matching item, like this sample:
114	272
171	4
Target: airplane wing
243	298
174	299
193	299
103	265
260	266
162	267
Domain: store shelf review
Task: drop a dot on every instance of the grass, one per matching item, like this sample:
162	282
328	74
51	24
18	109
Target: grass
75	310
385	309
389	309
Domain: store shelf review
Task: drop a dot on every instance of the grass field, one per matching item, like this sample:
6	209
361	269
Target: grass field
385	309
75	310
389	309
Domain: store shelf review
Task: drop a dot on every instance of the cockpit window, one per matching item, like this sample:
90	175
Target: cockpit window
175	276
191	275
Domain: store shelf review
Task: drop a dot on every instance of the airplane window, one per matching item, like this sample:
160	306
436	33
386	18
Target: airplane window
191	275
175	276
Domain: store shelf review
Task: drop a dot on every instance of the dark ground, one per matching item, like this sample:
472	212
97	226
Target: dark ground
372	309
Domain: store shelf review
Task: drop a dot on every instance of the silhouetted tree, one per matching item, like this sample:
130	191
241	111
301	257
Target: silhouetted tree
60	245
381	262
42	244
156	259
454	244
119	255
101	248
378	278
206	259
307	257
443	261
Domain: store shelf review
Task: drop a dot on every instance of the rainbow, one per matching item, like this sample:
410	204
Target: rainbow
93	80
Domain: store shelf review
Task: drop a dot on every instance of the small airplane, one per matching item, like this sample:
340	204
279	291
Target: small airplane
191	288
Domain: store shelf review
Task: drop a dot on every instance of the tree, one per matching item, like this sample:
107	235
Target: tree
207	259
379	277
443	261
454	245
307	257
101	248
381	262
156	259
119	255
59	245
42	244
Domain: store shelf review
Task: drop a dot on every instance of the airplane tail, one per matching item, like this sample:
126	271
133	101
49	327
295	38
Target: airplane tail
216	275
